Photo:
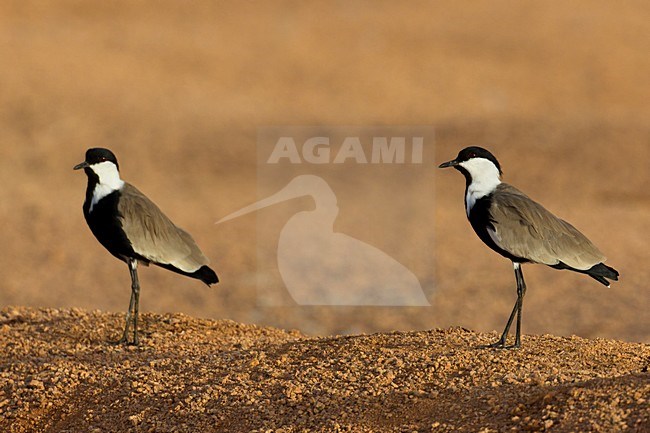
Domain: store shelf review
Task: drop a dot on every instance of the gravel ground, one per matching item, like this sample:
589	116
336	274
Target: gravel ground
58	374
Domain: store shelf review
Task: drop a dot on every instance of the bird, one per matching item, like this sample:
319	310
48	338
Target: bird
522	230
134	230
320	266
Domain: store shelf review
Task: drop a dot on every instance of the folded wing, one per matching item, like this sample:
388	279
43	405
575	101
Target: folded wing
153	235
526	229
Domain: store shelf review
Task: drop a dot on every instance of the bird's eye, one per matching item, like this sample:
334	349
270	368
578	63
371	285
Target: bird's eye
472	155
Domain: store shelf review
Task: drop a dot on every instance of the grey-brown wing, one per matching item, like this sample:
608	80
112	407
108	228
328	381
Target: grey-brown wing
526	229
154	236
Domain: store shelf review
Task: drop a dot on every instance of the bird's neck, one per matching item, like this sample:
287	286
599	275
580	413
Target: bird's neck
477	190
481	179
103	179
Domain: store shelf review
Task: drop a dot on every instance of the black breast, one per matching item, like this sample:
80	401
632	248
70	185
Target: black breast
480	219
105	224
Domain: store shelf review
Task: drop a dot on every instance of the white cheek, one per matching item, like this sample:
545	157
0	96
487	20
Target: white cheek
481	169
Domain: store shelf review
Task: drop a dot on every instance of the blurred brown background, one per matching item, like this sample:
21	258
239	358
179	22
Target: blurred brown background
557	90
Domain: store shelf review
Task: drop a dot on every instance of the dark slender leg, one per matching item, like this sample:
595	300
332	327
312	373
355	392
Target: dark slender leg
135	293
521	291
132	312
501	342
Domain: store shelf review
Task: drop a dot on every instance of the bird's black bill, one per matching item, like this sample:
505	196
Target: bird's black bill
82	165
451	163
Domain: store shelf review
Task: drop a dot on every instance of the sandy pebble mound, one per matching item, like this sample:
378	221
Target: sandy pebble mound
58	374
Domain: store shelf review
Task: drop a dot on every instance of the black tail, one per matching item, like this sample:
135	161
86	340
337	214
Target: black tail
204	273
599	272
208	276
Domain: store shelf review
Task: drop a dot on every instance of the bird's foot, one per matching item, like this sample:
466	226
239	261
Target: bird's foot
123	341
118	342
501	344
